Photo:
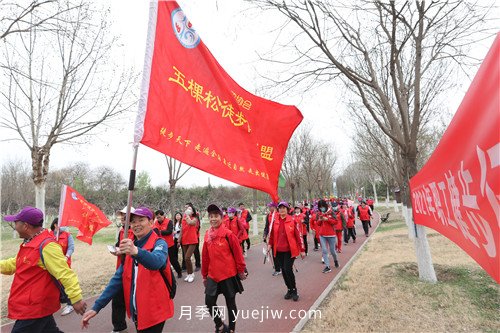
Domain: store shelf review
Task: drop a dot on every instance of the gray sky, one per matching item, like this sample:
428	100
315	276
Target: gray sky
235	37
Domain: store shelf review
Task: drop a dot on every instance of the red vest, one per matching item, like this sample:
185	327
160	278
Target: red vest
63	241
244	214
290	227
222	264
189	233
350	217
153	303
33	293
363	213
169	239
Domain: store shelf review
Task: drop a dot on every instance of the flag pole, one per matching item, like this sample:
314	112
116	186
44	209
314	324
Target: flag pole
131	185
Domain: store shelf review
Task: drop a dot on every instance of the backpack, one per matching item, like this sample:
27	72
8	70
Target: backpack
171	287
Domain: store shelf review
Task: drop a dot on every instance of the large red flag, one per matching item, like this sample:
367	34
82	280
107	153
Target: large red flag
75	211
457	191
192	110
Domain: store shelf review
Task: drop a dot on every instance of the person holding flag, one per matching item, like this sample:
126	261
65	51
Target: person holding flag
67	243
286	242
141	277
39	264
269	223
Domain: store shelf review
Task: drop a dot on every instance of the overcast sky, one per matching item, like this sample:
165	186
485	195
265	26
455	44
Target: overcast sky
235	37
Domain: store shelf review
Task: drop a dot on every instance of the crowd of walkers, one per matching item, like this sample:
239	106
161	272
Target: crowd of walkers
144	284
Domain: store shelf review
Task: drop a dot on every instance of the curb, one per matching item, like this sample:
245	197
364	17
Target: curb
300	325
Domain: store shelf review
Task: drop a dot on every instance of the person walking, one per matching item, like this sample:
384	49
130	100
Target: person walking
270	217
326	224
40	262
174	257
164	228
286	243
339	226
299	219
233	223
189	238
351	217
142	277
223	267
247	217
364	215
64	238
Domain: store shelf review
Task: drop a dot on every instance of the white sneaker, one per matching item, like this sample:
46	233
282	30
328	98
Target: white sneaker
190	278
67	310
187	277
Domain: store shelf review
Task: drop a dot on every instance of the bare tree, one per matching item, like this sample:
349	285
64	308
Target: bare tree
61	84
396	59
174	175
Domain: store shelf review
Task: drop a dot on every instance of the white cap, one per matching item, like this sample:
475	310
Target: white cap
124	210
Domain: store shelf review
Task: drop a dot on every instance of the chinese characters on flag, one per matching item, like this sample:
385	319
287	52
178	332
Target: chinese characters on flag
457	191
75	211
193	111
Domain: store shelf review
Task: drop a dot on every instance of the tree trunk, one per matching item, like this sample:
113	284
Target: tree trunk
40	199
387	197
375	193
292	187
172	199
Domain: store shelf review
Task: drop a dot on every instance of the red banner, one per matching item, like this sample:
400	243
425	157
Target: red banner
457	191
193	111
75	211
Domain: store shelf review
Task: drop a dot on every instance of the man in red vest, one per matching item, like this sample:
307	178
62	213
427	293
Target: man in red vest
364	215
39	263
164	227
141	276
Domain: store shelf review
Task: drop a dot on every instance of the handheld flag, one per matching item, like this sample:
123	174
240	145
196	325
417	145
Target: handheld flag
457	192
75	211
192	110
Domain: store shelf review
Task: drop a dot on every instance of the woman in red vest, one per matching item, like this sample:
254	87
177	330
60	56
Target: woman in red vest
222	268
299	218
286	243
189	238
339	227
351	217
140	277
235	224
364	215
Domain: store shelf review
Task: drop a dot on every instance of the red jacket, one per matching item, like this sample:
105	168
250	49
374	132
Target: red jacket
350	217
292	234
299	220
189	232
326	228
153	303
33	293
222	256
237	227
364	213
169	239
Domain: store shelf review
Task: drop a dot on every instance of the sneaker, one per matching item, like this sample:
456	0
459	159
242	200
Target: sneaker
179	275
354	241
339	251
289	294
190	278
316	249
276	273
67	310
122	331
346	243
336	264
322	260
187	277
197	268
244	254
295	295
326	269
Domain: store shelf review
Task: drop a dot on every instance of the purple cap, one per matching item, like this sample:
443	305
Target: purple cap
231	210
30	215
215	209
272	204
284	203
143	211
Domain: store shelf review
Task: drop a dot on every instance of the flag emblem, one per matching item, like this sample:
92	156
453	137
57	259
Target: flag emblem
183	29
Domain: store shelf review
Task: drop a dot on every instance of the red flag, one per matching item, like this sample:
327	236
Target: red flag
192	110
75	211
457	191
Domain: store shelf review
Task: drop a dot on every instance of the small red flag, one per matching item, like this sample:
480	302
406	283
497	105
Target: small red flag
457	192
193	111
75	211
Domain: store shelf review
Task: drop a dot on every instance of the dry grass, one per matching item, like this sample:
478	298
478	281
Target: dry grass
381	291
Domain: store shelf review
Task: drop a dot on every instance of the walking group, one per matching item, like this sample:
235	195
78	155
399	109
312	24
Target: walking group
143	286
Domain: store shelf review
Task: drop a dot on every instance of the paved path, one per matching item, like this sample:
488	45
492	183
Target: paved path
262	297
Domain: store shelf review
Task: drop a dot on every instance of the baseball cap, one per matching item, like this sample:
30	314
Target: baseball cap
143	211
124	210
28	214
215	209
272	204
284	203
231	210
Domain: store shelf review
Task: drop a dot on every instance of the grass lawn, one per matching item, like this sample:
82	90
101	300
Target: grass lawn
381	291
